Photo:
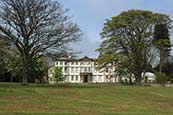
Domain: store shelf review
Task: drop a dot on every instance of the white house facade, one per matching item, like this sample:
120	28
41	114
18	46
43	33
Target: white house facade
84	70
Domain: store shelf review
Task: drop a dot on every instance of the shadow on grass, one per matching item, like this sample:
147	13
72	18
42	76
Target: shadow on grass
65	86
46	85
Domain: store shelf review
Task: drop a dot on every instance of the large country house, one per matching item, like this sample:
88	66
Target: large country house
84	70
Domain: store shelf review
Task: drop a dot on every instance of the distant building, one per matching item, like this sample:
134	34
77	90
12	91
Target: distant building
84	70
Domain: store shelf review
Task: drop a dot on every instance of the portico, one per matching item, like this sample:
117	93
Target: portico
86	77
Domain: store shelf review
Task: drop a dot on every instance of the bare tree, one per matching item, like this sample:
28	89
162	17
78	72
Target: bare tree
35	27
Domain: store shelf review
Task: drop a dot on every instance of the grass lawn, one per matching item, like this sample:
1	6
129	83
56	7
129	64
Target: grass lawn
85	100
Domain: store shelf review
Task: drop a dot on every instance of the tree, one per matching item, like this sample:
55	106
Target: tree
162	42
38	70
2	63
35	27
167	69
57	74
4	49
161	78
4	45
128	39
13	66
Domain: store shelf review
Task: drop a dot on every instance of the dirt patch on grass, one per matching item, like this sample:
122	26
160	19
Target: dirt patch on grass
164	106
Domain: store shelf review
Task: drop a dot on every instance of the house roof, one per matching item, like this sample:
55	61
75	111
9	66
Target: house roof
86	59
77	59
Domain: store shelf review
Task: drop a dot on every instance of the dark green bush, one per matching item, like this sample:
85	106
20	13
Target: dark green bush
161	77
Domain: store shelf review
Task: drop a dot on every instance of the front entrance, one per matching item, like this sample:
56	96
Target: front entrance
85	78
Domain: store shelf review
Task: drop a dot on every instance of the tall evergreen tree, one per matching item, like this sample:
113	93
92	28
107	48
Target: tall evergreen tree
162	43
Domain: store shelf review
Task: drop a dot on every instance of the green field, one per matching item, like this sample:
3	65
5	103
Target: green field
85	100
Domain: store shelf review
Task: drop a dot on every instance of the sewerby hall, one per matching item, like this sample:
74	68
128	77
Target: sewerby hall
85	70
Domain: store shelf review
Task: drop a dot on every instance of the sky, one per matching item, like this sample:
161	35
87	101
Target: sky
90	15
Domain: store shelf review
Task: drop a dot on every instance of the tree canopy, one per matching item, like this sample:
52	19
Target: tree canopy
127	40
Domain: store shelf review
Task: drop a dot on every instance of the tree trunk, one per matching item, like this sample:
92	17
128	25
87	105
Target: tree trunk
11	80
130	81
138	77
161	60
25	70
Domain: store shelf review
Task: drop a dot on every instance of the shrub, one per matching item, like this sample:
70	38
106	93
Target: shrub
171	80
161	78
57	74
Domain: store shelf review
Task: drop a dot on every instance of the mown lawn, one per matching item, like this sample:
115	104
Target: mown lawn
85	100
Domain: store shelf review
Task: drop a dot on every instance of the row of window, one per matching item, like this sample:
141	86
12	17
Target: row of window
77	69
99	78
72	78
73	63
86	69
80	69
76	78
